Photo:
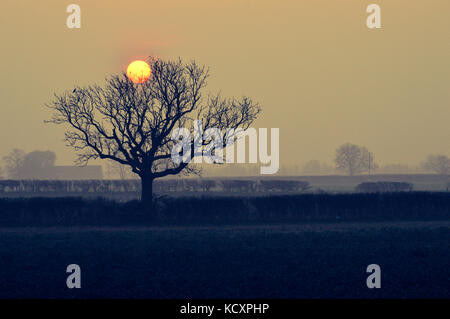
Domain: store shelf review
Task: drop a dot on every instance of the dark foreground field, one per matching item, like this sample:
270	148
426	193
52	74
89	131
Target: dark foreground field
286	261
299	246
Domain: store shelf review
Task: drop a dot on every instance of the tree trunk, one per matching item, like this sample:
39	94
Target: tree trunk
147	190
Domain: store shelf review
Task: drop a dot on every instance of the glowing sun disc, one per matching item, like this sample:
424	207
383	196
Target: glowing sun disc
138	71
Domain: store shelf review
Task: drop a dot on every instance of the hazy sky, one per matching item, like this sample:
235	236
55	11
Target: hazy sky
319	73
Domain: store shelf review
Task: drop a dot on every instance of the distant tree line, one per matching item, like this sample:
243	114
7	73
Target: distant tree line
20	165
164	185
350	159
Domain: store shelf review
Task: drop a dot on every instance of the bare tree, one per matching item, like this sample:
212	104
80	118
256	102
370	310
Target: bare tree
440	164
36	164
13	163
353	159
21	165
132	124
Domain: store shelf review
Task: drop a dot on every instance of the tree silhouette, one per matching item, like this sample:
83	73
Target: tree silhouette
13	163
353	159
440	164
21	165
132	124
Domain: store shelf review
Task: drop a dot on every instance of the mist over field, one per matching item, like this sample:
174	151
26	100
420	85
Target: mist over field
224	149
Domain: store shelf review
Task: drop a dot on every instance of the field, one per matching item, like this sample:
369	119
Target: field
290	261
311	245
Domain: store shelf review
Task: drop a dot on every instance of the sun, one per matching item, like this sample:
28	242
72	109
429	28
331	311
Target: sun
138	71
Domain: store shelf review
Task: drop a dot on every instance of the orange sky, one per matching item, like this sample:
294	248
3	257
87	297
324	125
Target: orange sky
319	73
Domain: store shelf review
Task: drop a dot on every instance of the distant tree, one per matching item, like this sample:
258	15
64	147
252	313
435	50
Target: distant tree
1	173
132	124
36	164
21	165
13	163
353	159
440	164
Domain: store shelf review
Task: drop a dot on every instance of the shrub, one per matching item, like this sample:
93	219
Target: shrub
283	186
381	187
238	185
